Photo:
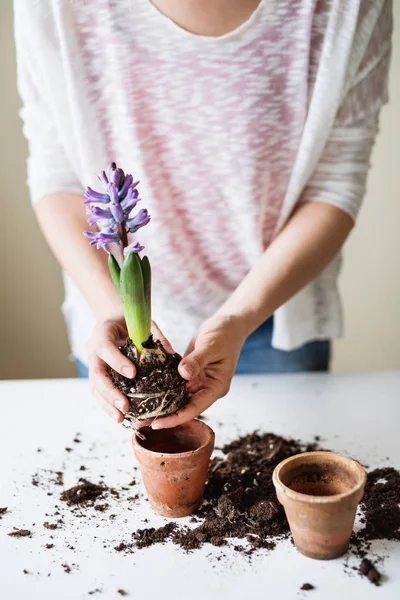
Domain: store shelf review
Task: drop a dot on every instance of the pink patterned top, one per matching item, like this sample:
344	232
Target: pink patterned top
226	134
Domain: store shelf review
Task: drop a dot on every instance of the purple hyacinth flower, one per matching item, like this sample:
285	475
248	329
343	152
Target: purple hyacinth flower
134	247
113	221
96	214
128	205
118	177
115	206
101	239
95	197
125	187
110	169
113	192
138	221
103	178
117	212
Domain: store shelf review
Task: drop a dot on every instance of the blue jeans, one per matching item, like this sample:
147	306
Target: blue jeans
258	356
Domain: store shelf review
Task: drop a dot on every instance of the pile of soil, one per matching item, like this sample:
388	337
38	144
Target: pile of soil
368	569
21	533
381	513
240	502
84	493
307	587
239	499
148	537
156	372
381	505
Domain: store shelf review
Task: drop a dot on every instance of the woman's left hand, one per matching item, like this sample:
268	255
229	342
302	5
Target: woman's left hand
208	365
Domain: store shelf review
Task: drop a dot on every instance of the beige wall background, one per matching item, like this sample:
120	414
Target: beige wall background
33	338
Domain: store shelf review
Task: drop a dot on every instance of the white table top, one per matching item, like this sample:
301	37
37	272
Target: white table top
356	414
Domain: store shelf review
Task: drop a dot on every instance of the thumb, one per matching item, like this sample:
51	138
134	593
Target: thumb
191	365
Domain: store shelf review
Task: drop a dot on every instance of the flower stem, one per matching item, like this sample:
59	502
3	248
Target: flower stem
122	234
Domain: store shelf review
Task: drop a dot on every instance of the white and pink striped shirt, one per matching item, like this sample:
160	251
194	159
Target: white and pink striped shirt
225	133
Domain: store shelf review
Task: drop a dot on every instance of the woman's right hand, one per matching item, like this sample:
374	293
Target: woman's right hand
103	350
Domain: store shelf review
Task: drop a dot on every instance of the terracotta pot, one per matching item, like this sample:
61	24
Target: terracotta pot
174	464
320	492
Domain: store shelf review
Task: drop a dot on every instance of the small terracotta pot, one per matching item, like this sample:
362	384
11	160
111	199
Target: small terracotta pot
174	464
320	492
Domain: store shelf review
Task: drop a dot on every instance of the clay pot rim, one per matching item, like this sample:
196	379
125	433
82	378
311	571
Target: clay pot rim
307	498
177	455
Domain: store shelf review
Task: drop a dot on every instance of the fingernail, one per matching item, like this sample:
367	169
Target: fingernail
188	369
115	417
120	404
127	371
156	426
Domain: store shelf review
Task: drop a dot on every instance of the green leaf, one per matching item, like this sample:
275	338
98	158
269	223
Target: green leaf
146	272
133	300
115	270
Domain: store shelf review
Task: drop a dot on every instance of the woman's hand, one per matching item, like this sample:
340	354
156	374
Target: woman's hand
103	350
208	365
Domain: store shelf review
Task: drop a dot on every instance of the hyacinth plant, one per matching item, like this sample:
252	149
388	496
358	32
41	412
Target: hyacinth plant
157	390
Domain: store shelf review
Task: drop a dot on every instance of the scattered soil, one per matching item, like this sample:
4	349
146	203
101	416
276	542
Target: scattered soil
240	506
240	500
83	493
150	536
48	525
381	504
60	478
121	547
122	592
368	569
3	511
156	372
101	507
21	533
307	587
381	515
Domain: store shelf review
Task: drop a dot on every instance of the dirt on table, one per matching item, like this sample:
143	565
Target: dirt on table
239	499
83	493
240	502
21	533
381	516
307	587
368	569
240	508
381	505
150	536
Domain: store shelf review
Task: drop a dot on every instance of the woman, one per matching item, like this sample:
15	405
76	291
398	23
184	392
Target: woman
250	125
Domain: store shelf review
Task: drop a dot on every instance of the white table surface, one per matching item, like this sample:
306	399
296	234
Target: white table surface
355	414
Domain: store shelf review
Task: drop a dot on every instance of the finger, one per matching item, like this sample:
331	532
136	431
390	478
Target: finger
102	385
158	334
110	410
197	404
109	353
191	365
